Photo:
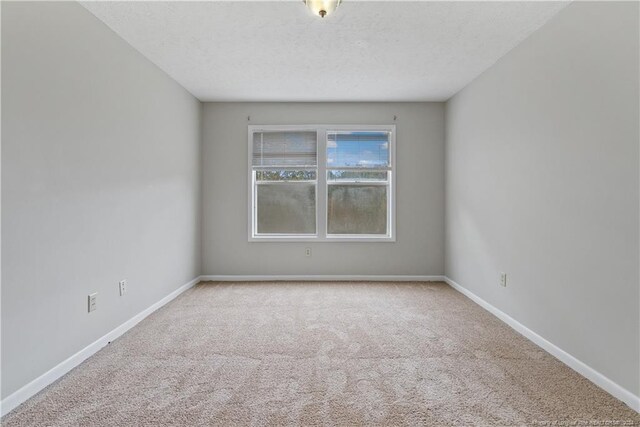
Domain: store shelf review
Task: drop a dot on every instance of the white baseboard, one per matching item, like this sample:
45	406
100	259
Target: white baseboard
12	401
322	277
580	367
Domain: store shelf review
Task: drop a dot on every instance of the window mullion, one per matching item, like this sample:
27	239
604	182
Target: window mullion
321	192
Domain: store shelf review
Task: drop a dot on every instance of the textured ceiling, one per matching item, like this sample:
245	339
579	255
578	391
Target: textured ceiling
365	51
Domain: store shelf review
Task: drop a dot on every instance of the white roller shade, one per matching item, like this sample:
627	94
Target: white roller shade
285	149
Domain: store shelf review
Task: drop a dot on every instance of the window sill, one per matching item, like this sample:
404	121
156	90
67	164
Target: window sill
291	239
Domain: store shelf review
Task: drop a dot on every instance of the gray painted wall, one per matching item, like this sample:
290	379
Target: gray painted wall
419	249
100	182
542	183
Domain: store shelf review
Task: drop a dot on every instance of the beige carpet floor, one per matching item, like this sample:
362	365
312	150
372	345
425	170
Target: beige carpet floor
342	354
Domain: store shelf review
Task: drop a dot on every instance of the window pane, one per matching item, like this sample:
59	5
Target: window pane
285	148
357	149
285	175
285	208
360	176
357	209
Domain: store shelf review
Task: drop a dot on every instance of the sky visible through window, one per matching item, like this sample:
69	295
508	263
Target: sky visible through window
357	149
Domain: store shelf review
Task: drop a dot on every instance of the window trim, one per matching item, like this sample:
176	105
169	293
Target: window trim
322	186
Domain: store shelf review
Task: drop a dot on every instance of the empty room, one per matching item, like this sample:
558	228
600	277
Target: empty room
320	213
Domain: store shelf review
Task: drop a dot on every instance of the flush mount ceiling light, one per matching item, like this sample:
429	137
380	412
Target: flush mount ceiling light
322	8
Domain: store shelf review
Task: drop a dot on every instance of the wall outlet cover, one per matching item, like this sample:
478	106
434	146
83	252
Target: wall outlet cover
92	300
503	279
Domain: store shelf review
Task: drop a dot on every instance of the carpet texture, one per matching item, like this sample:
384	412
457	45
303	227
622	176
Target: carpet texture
342	354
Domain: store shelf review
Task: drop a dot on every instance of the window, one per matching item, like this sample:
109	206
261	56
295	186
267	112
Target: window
284	173
321	183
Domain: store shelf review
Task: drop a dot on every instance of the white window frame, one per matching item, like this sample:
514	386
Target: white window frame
322	186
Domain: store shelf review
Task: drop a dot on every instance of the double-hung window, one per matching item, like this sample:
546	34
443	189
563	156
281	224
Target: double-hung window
321	183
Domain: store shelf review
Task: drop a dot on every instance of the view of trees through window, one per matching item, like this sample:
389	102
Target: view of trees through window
285	175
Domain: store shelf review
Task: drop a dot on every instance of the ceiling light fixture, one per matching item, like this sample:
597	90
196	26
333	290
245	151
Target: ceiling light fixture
322	8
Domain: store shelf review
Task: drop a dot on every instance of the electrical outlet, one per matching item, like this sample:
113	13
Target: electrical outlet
122	285
93	302
307	251
503	280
